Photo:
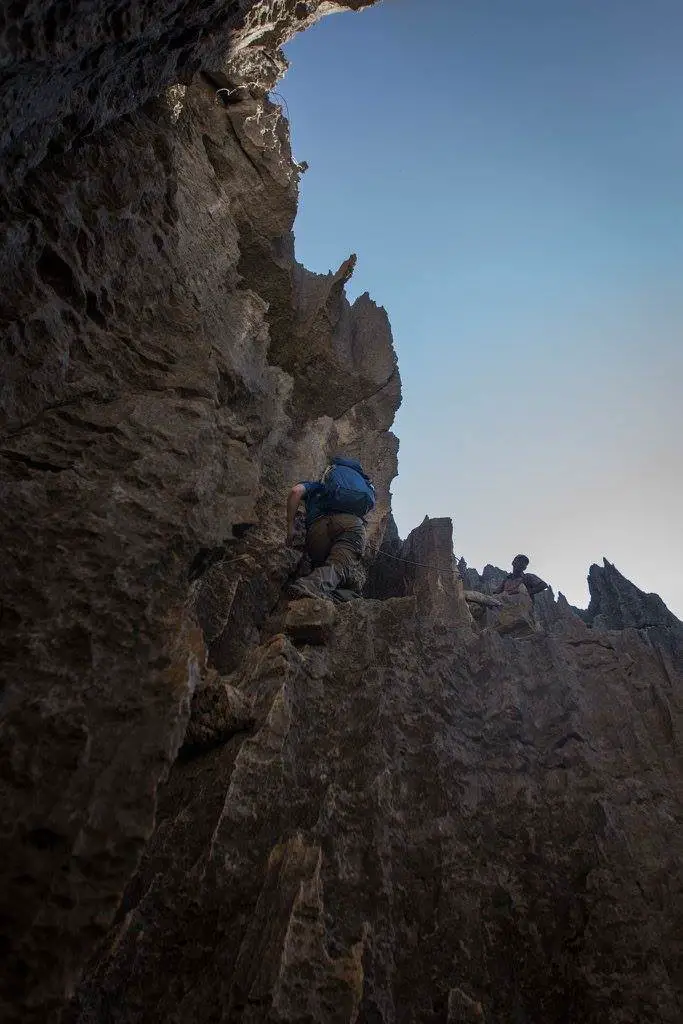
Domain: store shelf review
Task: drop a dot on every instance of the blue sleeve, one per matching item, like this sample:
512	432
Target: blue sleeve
311	486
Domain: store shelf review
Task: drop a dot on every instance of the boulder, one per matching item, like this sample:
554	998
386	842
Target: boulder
310	620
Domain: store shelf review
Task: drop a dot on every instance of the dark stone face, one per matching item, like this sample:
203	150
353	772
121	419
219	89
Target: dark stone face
406	791
519	564
146	430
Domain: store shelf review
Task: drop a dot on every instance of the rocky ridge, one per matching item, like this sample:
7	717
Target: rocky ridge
216	806
421	821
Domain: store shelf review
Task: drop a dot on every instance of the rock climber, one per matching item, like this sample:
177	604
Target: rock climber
516	581
336	506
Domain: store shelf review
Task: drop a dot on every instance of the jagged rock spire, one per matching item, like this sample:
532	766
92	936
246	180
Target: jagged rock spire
616	603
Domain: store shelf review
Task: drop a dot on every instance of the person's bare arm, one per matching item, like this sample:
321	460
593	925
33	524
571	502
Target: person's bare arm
534	584
293	501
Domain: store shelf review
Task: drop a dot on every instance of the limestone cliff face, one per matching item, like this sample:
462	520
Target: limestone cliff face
420	822
375	813
164	369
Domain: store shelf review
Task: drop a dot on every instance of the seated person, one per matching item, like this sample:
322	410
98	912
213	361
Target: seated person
518	580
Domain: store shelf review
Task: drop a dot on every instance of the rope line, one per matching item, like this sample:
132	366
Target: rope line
422	565
280	96
229	91
237	88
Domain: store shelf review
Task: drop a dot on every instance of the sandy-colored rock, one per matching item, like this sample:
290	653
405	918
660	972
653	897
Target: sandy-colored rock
514	616
486	600
218	711
422	566
310	621
283	962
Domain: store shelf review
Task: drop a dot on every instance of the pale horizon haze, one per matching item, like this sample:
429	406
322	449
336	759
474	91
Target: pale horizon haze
511	178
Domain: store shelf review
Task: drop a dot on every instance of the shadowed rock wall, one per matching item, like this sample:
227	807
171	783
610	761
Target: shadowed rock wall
616	603
426	824
146	262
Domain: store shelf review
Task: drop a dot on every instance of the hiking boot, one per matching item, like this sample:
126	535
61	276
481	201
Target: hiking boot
343	595
322	582
300	589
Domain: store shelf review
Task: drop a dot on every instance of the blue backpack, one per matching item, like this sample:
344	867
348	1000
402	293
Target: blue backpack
347	488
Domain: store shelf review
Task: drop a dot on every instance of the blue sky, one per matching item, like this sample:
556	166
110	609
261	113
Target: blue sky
511	177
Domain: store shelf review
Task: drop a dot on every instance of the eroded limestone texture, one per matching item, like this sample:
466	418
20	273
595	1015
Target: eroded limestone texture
428	824
71	67
616	603
148	433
